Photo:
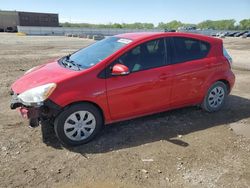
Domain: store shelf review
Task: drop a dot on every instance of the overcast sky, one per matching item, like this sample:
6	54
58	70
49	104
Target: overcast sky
129	11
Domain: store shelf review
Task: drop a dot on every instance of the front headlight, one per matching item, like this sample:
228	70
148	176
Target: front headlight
37	94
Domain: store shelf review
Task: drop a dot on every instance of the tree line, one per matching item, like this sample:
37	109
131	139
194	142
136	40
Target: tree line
229	24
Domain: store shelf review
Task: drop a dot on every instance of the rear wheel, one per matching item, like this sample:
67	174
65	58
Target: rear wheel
78	124
215	97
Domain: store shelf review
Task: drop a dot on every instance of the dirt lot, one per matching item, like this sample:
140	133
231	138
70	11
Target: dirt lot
181	148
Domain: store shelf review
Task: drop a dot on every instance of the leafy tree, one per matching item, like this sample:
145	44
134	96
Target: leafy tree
117	25
173	25
245	24
219	24
170	25
228	24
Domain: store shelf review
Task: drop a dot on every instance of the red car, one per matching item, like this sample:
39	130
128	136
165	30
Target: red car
123	77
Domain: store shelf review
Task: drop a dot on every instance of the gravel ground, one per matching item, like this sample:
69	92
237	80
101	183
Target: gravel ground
180	148
239	48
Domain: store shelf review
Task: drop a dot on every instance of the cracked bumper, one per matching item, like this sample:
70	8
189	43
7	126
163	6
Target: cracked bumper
44	110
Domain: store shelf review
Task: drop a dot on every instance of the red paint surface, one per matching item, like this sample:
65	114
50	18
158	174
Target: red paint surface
139	93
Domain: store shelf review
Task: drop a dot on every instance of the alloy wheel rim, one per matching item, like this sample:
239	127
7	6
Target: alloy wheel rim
216	97
79	125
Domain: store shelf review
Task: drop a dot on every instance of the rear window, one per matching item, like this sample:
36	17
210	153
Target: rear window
188	49
226	55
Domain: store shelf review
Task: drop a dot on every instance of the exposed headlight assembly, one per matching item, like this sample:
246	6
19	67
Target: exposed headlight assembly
37	95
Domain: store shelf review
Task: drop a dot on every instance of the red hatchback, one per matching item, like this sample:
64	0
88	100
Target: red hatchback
123	77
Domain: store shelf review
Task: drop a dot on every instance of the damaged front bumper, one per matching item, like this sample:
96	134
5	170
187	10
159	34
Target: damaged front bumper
16	102
35	112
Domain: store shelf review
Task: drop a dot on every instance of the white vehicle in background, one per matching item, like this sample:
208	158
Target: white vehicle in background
222	34
246	35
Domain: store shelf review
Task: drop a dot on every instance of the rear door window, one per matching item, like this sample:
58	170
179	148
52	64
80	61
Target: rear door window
226	55
188	49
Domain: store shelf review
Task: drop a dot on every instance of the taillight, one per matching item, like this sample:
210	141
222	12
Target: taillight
228	57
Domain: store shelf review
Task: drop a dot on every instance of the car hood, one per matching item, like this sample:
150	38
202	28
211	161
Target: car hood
48	73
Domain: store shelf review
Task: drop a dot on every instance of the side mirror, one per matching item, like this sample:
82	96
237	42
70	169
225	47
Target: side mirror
119	70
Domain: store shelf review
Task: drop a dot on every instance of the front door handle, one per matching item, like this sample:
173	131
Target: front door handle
163	76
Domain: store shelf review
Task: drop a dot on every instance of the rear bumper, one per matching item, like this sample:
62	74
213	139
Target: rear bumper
231	80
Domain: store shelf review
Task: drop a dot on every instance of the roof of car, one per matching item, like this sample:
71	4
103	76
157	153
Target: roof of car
139	35
143	35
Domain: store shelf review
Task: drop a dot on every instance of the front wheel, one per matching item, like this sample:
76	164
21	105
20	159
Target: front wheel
215	97
78	124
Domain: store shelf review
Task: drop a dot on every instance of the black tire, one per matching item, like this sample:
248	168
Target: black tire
47	129
206	104
74	109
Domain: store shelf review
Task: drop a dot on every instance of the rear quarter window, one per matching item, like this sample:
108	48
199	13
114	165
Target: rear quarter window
188	49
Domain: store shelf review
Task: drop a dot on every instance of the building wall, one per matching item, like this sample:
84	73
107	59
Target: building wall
15	18
30	30
38	19
8	19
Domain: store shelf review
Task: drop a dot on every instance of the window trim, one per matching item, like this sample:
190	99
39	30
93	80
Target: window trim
169	50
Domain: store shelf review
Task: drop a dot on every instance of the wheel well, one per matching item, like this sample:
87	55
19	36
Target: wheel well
226	83
89	102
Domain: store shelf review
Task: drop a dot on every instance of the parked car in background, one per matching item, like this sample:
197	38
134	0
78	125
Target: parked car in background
246	35
240	33
227	33
169	30
222	34
217	34
232	34
11	30
123	77
186	28
1	30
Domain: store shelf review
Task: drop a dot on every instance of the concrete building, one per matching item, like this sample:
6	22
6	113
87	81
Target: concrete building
9	20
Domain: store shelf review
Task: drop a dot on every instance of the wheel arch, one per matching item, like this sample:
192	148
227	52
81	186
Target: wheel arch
88	102
205	104
209	84
226	82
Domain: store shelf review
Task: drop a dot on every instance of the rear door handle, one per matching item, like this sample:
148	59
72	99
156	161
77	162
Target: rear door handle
163	77
208	65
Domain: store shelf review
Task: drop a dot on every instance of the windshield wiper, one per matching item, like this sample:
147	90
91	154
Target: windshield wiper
68	56
69	63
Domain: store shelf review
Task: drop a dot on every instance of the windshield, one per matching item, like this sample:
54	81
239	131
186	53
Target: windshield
93	54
